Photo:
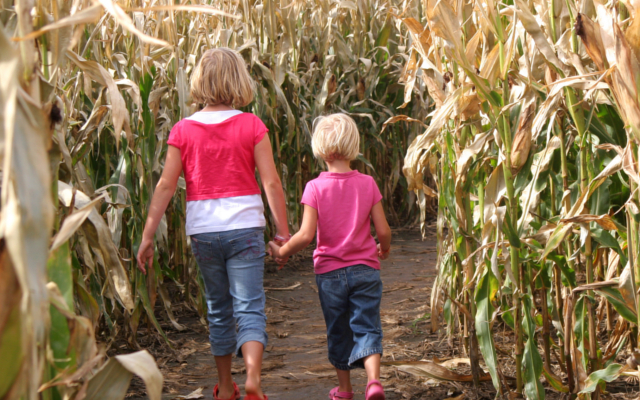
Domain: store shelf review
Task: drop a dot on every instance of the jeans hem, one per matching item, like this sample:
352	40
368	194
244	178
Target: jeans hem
223	349
343	367
251	335
365	353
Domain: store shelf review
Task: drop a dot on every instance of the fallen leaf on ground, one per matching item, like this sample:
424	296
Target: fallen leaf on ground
454	362
196	394
432	370
297	284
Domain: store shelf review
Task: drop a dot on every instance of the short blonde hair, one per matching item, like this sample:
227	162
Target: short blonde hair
335	137
221	77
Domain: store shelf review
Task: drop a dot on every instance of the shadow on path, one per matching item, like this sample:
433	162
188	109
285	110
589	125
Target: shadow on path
296	365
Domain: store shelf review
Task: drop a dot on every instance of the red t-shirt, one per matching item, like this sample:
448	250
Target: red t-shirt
218	159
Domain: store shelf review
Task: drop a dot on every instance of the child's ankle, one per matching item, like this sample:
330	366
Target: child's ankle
346	388
252	385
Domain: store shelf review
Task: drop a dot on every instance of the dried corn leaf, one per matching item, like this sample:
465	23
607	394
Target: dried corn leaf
71	224
125	21
99	237
119	111
198	8
589	32
429	369
87	15
533	28
604	221
522	140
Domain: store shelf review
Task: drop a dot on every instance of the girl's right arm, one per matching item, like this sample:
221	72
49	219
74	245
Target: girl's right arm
382	230
272	185
164	192
301	239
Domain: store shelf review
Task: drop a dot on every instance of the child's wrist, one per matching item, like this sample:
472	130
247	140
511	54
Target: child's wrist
282	239
283	251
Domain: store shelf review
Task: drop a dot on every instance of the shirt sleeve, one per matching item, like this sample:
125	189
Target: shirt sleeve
376	196
261	130
309	196
175	137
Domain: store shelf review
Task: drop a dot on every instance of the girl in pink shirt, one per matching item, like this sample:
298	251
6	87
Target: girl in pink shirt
340	204
218	149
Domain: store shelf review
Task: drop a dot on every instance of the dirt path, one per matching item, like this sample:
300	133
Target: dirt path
296	366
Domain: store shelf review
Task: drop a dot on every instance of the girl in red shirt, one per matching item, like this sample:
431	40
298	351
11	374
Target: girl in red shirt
218	149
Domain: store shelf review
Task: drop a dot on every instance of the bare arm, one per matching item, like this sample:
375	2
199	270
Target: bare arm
301	239
164	192
382	230
272	185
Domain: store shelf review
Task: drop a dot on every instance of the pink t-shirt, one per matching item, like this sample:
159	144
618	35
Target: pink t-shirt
218	159
344	202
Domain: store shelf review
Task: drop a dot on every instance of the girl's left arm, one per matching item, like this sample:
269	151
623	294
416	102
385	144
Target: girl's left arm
263	155
301	239
164	192
382	230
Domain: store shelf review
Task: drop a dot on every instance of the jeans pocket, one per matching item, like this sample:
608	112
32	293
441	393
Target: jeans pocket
202	250
249	246
330	276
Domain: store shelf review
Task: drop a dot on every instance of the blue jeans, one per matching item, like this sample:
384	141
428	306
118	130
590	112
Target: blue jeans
350	299
232	265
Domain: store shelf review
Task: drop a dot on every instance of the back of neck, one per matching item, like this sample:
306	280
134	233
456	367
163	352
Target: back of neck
217	107
338	166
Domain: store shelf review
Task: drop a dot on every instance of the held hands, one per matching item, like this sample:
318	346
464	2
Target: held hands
274	251
383	255
145	255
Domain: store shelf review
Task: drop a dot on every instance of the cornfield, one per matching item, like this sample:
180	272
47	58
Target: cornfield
532	117
533	143
89	93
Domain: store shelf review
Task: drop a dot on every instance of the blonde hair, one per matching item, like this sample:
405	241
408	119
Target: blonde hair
335	137
221	77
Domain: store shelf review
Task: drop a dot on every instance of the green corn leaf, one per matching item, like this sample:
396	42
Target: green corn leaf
558	235
511	232
144	295
532	362
568	273
609	374
607	240
10	348
485	292
618	302
555	381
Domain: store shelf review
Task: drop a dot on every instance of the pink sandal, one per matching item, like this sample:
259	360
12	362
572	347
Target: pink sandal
335	394
374	392
236	393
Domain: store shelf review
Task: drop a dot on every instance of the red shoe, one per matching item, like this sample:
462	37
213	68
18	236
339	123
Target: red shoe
236	393
255	397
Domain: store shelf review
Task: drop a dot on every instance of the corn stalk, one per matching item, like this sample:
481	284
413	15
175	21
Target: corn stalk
534	124
48	350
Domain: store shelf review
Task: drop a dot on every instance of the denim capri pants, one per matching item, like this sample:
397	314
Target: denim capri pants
350	299
232	265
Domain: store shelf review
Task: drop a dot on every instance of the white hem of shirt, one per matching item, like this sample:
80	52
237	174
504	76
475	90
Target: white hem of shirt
213	229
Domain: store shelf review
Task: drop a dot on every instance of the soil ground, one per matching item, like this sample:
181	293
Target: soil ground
295	364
